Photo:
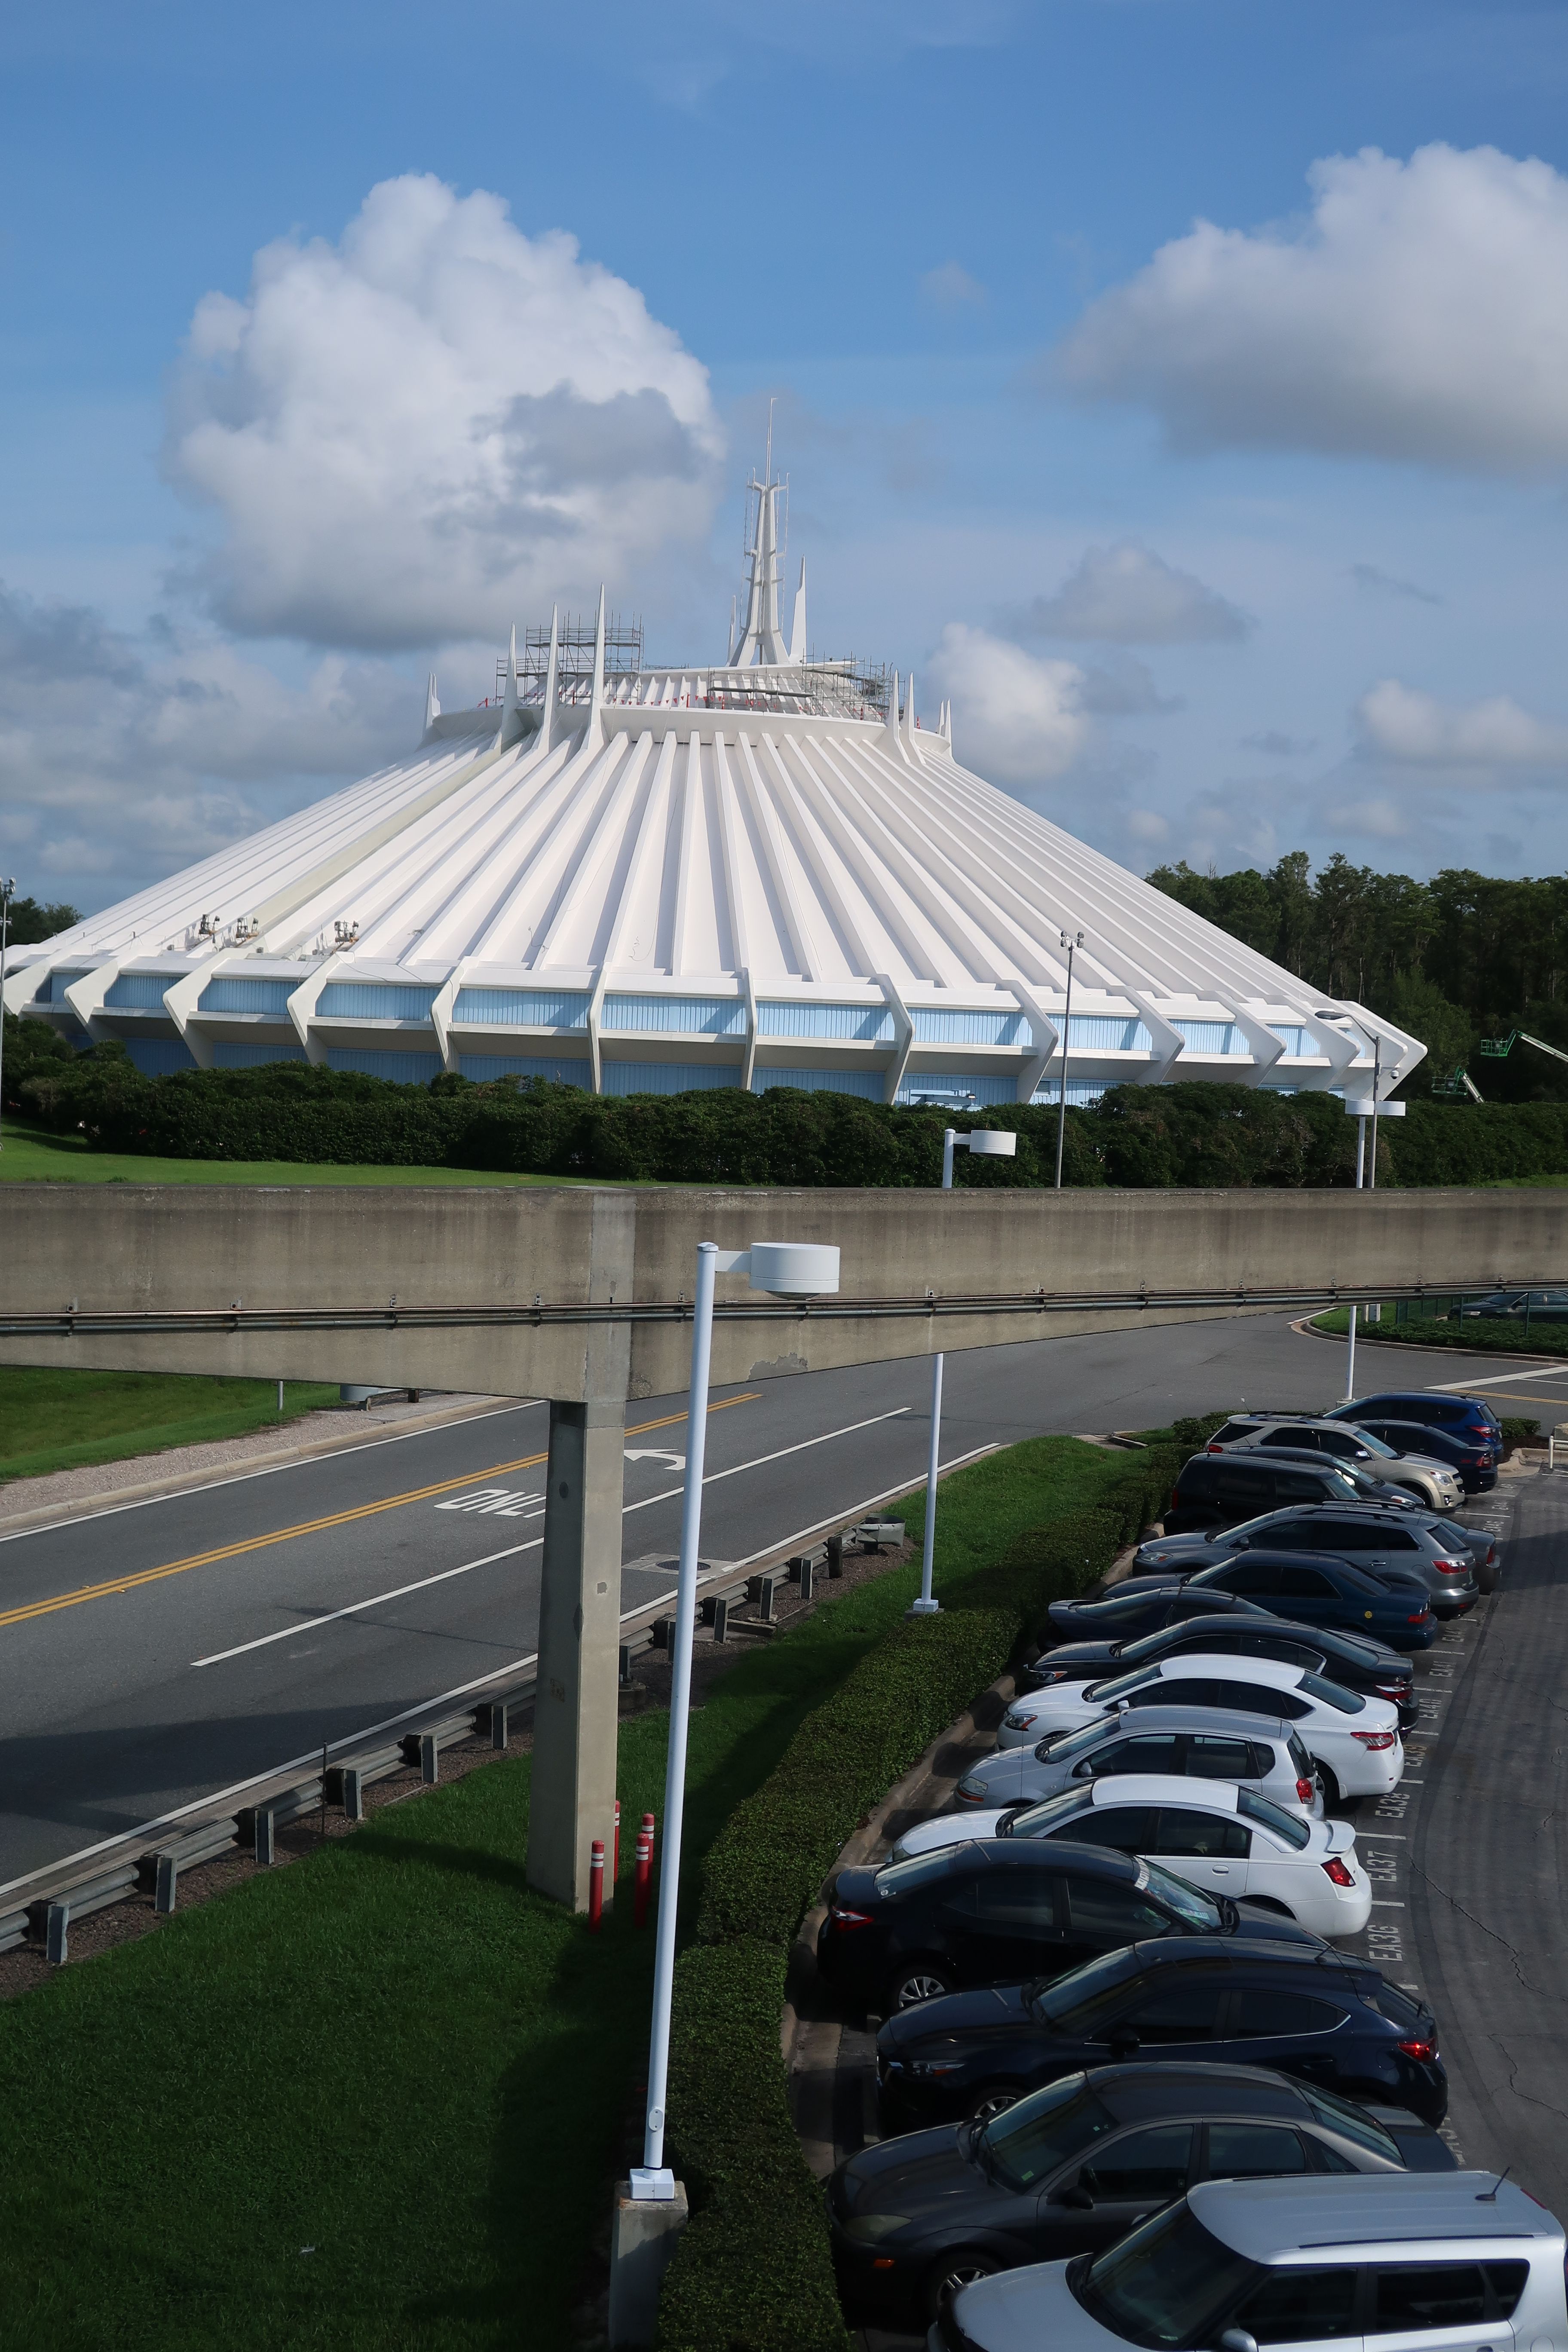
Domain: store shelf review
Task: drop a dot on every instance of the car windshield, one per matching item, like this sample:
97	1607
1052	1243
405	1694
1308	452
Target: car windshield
1376	1446
1288	1826
1165	2284
1075	2003
1044	2130
1343	2116
1121	1686
1351	1645
1334	1695
922	1870
1063	1746
1039	1821
1189	1902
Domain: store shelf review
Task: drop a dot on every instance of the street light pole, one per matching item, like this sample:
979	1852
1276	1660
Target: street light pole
1071	945
8	892
789	1270
1361	1108
984	1143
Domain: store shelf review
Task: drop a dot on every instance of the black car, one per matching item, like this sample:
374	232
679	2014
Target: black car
1142	1609
1067	2170
1391	1604
1473	1463
1451	1557
1352	1659
1469	1418
1331	2019
989	1910
1220	1490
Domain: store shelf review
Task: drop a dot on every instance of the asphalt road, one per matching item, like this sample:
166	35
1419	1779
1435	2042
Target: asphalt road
157	1653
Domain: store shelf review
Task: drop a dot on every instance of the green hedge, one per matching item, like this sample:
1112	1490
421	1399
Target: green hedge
752	2272
1195	1134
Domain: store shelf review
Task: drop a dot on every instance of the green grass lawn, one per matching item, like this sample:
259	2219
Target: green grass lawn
1506	1338
65	1420
30	1156
374	2099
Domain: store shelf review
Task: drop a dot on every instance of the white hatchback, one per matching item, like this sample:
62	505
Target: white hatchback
1215	1835
1353	1739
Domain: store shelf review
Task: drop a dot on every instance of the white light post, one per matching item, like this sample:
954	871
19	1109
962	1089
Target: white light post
788	1270
8	892
1363	1107
1071	945
982	1143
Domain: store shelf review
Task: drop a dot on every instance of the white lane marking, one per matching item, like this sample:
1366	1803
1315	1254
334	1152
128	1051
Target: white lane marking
1397	1835
1492	1380
655	1453
275	1469
493	1502
352	1609
1378	1903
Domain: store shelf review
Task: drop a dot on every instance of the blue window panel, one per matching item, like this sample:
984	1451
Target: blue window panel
986	1086
870	1024
355	1000
1212	1036
486	1068
140	992
155	1057
523	1008
667	1077
59	983
690	1016
1082	1093
1295	1038
1266	1089
254	1057
248	996
866	1084
972	1029
1110	1033
402	1069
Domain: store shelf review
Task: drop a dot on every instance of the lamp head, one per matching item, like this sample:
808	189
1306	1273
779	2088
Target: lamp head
793	1269
991	1143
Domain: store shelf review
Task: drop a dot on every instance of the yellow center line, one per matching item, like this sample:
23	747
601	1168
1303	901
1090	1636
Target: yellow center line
314	1527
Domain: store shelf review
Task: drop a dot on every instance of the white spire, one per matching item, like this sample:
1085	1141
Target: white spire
909	714
432	703
547	719
596	705
511	717
763	638
797	632
893	713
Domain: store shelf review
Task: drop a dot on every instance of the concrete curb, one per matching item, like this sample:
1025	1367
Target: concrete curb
113	1499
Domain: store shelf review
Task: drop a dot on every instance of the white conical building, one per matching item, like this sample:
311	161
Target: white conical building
760	872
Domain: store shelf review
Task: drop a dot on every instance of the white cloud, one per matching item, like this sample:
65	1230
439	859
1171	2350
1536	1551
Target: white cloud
1128	596
1388	583
1149	828
950	287
433	427
1402	722
1420	313
121	758
1016	719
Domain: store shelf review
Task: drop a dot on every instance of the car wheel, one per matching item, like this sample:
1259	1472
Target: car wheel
916	1982
959	2268
995	2102
1333	1793
1266	1903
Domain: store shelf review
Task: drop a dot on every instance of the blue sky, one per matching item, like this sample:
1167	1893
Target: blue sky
1224	540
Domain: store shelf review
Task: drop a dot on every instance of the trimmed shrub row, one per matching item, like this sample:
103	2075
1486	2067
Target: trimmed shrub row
752	2272
1195	1134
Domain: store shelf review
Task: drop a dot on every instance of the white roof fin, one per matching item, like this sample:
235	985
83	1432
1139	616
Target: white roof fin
432	703
797	630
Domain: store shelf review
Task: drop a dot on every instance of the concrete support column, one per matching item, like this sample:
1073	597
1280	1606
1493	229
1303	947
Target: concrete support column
575	1712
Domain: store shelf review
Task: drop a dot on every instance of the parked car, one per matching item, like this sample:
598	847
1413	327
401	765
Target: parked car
1072	2167
1431	1481
1442	1551
1324	2018
1473	1464
1214	1834
1354	1742
1465	1417
988	1911
1145	1609
1259	1752
1425	2263
1391	1603
1353	1659
1220	1490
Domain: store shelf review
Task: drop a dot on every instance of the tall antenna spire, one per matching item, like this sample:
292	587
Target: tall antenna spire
547	721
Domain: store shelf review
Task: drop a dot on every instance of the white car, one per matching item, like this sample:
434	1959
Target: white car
1213	1834
1259	1752
1287	2262
1353	1740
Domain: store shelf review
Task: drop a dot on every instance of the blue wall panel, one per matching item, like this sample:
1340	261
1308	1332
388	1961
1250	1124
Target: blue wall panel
666	1077
523	1008
254	1057
402	1069
354	999
1297	1040
868	1024
958	1028
1082	1093
690	1016
1108	1033
986	1086
486	1068
866	1084
140	992
1212	1037
155	1057
59	983
248	996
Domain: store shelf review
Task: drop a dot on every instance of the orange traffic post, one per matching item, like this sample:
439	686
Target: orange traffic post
596	1884
642	1874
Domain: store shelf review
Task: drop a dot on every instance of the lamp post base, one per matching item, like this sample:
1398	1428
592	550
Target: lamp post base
923	1609
642	2239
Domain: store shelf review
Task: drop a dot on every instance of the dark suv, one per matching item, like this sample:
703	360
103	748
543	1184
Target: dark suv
1331	2019
990	1909
1220	1490
1468	1418
1472	1460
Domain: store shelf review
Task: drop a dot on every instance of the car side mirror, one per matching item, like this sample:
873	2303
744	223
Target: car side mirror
1242	1543
1122	2042
1236	2339
1075	2197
